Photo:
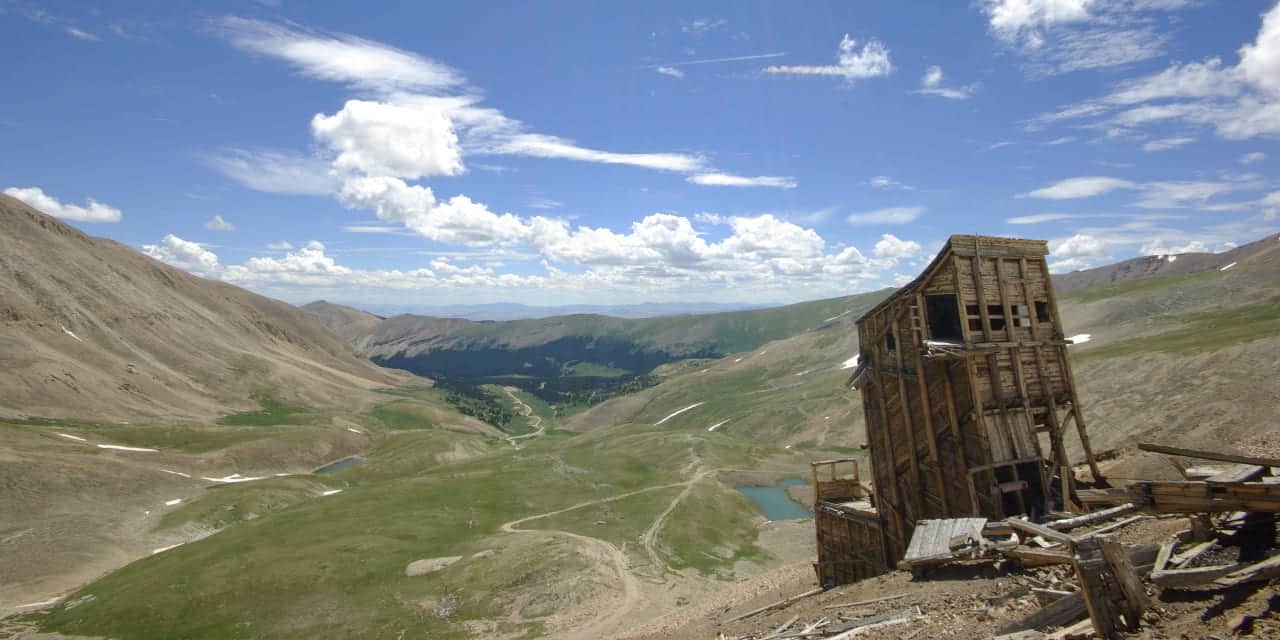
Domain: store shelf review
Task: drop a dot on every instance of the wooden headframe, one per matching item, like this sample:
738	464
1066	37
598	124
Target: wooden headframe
961	373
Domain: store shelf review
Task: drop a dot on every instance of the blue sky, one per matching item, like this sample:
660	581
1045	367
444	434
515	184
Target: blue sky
557	152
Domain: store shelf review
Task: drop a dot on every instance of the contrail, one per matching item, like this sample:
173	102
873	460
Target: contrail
714	60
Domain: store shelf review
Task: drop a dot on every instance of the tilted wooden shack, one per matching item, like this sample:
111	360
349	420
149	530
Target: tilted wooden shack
968	394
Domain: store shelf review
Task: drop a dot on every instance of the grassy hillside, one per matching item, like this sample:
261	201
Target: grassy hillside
587	345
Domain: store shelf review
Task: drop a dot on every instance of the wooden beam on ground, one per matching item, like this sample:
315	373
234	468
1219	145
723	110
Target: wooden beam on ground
1135	601
1039	530
1095	588
1082	629
1115	525
1198	577
1204	497
1033	557
1113	495
1208	455
1265	570
1093	518
1183	559
866	602
781	603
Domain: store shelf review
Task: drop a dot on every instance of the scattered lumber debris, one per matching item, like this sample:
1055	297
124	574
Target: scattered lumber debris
781	603
1204	497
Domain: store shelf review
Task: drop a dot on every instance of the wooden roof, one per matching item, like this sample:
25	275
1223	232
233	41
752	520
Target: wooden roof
963	245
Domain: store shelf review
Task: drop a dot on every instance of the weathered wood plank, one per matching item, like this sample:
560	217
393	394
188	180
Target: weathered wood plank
1208	455
1093	518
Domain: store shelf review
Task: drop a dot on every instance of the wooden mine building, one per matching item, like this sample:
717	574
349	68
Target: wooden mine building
969	399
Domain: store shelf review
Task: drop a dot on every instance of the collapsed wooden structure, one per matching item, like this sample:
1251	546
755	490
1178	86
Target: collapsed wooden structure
969	398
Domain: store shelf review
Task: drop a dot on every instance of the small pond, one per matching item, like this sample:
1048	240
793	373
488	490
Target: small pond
774	502
339	465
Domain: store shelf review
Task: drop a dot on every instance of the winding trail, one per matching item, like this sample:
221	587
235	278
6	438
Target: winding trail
526	411
608	552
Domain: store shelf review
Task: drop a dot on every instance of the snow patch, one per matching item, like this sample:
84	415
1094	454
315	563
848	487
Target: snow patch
1227	267
233	478
177	473
68	332
738	360
329	492
70	437
354	430
850	363
716	425
802	373
37	605
678	412
1172	258
173	502
117	447
163	549
1081	338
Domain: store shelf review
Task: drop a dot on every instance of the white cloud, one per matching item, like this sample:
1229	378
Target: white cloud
755	56
545	203
885	182
1159	247
357	62
727	180
1061	36
217	223
1164	144
871	61
1082	187
406	139
1077	252
1252	157
1038	218
670	71
81	34
931	84
701	26
274	171
1238	102
93	211
544	146
283	245
891	246
890	215
184	254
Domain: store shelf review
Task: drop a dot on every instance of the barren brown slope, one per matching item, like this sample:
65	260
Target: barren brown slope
346	322
90	328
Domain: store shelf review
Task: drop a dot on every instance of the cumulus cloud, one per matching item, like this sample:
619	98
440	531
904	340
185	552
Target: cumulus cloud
852	63
407	139
218	223
891	246
92	211
728	180
184	254
889	215
1077	252
1159	247
931	84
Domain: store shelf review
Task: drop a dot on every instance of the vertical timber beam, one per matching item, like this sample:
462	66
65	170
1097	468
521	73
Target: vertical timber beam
895	506
1069	375
908	423
926	408
960	449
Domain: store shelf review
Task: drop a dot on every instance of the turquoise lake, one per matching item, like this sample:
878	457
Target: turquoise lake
774	502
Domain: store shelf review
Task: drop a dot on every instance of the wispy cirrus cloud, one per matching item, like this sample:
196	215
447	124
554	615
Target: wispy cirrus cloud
931	84
888	215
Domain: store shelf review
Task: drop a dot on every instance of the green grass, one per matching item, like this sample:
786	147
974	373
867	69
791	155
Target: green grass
333	567
1129	288
713	528
1201	332
401	415
273	412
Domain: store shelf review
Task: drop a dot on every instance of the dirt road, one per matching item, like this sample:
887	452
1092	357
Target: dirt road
611	617
527	411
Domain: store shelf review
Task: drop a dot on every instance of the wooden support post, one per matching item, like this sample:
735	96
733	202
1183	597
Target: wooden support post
895	502
1070	376
926	407
909	422
1091	570
949	395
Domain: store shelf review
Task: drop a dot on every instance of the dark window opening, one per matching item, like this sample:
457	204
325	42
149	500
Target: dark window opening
996	313
890	343
971	309
975	324
997	324
994	310
1042	311
943	312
